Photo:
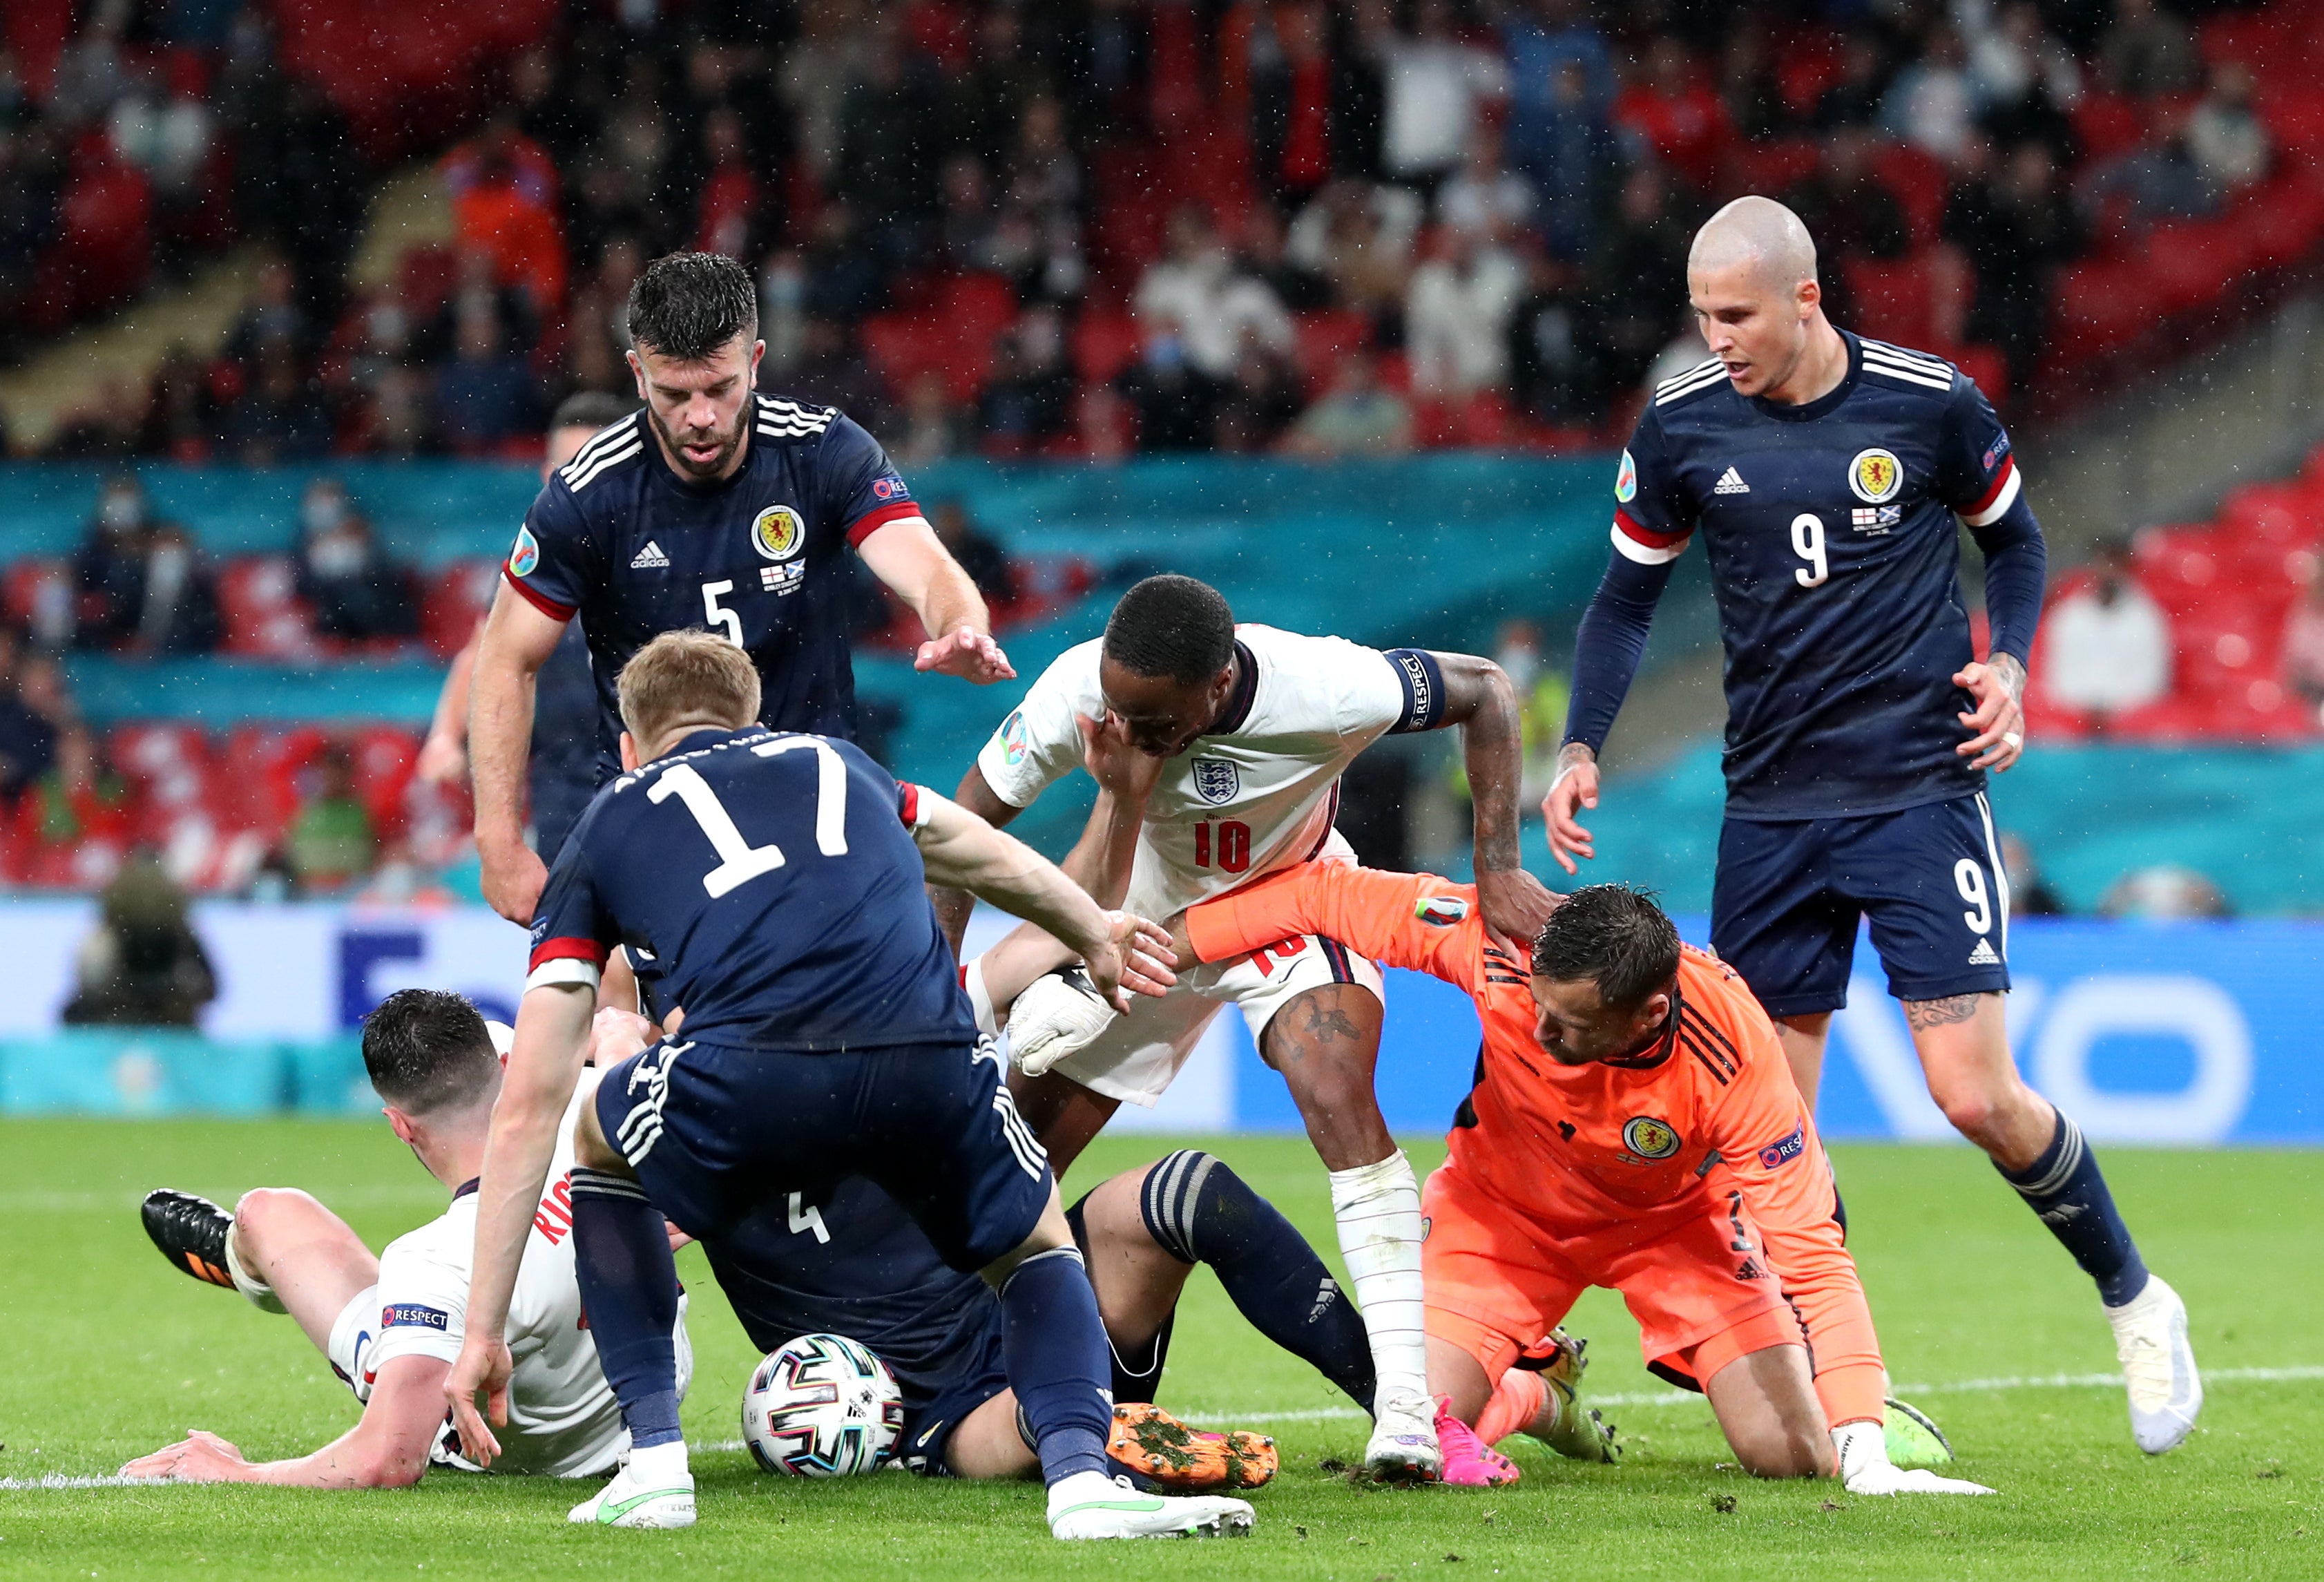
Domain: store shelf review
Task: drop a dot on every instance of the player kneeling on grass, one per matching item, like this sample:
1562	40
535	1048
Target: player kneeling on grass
392	1325
1633	1124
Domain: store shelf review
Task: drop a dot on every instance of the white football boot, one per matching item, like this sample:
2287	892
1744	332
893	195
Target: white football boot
1090	1505
659	1493
2166	1393
1403	1447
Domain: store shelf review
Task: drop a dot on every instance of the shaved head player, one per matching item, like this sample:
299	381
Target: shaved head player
1825	474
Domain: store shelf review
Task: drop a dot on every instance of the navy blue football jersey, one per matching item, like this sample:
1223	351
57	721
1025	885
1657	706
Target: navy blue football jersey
849	1261
767	882
1834	556
619	538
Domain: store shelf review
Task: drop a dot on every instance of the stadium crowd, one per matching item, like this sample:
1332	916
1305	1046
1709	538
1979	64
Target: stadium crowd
1051	227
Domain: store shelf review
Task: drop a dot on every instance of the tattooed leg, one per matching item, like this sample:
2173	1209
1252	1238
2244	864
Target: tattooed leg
1964	1049
1326	1042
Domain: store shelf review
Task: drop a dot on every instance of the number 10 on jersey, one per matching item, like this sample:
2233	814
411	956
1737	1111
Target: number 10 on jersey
1224	843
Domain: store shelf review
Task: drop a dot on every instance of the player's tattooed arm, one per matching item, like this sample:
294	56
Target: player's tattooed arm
1480	698
1944	1012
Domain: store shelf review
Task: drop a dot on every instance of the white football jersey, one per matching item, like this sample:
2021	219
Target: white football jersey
563	1418
1257	793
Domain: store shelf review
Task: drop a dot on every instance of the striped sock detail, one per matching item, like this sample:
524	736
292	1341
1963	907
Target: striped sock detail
1173	1187
599	1183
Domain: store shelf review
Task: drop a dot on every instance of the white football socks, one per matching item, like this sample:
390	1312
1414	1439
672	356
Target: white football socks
661	1467
1378	1207
255	1290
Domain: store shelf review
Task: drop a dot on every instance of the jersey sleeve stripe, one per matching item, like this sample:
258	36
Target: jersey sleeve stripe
1687	384
1998	499
1630	549
1693	373
1908	373
610	459
568	948
909	807
873	520
536	598
1920	360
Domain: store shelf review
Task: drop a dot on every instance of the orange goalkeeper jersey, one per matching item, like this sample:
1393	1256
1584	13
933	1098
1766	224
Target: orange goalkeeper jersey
1648	1142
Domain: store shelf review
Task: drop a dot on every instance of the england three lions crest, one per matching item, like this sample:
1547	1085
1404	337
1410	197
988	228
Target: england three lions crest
1216	780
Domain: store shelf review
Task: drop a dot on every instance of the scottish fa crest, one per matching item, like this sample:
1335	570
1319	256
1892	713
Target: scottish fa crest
1216	780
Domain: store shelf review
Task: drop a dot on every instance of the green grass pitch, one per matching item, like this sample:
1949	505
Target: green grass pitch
104	1353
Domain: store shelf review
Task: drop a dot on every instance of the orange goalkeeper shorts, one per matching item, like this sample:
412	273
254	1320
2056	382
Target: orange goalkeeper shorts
1498	1277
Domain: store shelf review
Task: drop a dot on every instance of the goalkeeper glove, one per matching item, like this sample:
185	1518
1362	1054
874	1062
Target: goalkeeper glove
1060	1014
1865	1468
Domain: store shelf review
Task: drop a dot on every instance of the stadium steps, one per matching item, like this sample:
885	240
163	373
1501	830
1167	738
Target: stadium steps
77	373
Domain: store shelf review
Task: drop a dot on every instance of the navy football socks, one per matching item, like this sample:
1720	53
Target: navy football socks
629	1292
2065	1189
1053	1350
1198	1210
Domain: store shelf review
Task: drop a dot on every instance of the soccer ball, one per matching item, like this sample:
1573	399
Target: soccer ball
822	1406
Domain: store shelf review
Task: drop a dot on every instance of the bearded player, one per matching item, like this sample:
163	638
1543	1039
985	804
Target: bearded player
1248	728
1632	1124
1825	474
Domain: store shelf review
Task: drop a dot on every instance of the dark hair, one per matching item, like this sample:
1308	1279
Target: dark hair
1613	936
425	1050
1172	626
591	409
688	305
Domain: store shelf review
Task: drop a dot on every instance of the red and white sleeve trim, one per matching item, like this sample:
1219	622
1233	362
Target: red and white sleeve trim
535	597
873	520
912	803
1997	499
1646	546
566	961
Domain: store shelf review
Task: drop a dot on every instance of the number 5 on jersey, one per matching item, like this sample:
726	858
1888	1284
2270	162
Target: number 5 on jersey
739	861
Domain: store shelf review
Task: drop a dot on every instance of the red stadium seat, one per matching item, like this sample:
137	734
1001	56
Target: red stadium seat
452	600
1918	180
385	758
258	595
1895	300
1105	344
1324	338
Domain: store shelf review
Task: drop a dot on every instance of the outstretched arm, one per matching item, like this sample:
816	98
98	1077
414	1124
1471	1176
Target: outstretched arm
1418	920
1478	697
907	555
961	850
387	1448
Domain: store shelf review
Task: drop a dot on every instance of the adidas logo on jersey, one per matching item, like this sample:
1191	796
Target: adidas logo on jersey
650	559
1731	481
1984	955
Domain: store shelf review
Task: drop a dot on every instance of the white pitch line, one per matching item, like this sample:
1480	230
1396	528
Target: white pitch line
58	1480
364	1197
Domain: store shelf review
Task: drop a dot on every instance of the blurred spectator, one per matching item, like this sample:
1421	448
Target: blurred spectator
282	419
78	814
331	841
2303	643
1315	101
1175	403
832	370
2109	644
732	210
1749	86
2224	134
2023	80
1437	85
1198	297
1932	103
145	965
1358	236
108	569
1357	416
28	740
300	182
932	427
1457	316
1673	111
980	554
485	398
1543	693
2161	180
1485	197
179	611
2148	52
1855	99
889	119
1030	399
504	205
968	226
91	74
2017	229
358	595
1553	370
2030	895
273	317
1568	151
1637	279
1543	39
1256	408
2164	893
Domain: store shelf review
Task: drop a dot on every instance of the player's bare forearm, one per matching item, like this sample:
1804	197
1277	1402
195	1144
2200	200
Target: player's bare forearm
517	641
387	1448
966	853
951	601
1100	863
1480	699
955	906
444	756
552	1036
907	555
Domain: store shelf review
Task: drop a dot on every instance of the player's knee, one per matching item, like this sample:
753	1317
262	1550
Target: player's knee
1974	1111
267	1216
1784	1449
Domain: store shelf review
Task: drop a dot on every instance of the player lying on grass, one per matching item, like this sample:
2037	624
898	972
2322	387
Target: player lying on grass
1633	1124
775	885
392	1325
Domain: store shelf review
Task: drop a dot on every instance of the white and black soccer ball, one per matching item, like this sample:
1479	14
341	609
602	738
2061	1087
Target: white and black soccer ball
822	1406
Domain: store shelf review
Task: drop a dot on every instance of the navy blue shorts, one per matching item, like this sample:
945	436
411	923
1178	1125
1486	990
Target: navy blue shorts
1928	880
713	1134
976	1377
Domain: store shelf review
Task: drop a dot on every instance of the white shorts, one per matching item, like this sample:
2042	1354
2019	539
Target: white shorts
1138	1058
351	1333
